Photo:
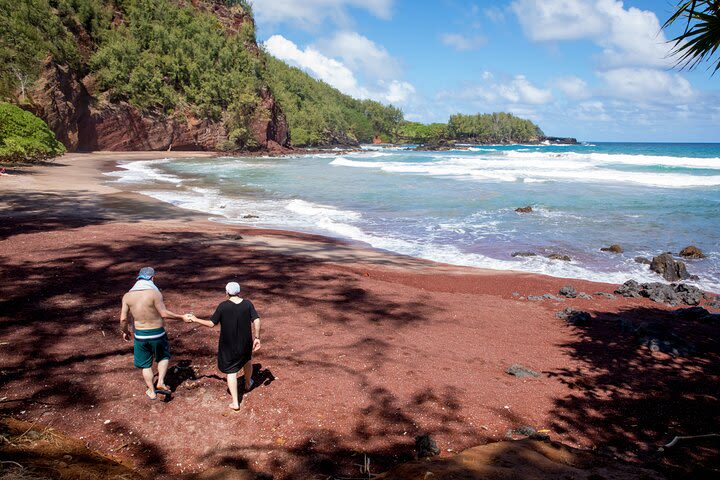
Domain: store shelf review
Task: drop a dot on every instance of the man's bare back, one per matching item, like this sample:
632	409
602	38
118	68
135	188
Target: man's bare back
146	308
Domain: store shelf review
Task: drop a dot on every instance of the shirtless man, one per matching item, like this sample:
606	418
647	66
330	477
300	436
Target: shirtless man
144	303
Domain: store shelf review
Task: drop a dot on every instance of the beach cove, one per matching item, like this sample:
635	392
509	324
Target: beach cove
363	350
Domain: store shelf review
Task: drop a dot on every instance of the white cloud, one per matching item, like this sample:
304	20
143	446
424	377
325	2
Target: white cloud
520	90
573	87
308	13
318	65
646	84
360	53
461	42
592	111
337	73
627	37
544	20
495	14
399	92
505	95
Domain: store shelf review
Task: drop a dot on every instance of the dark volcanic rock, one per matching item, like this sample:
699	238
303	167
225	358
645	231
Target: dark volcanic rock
671	270
550	296
523	254
689	294
694	313
584	296
660	293
425	446
692	252
574	317
527	209
557	256
613	249
629	289
672	294
658	339
561	140
568	291
528	431
643	260
609	296
522	372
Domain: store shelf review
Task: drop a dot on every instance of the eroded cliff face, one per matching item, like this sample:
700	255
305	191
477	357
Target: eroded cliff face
84	120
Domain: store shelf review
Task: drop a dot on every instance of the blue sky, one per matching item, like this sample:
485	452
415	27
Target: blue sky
593	69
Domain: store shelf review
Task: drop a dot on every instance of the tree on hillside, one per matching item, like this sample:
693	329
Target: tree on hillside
700	39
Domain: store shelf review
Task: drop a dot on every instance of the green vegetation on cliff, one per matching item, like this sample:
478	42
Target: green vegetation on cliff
319	114
479	128
199	59
493	128
25	137
169	57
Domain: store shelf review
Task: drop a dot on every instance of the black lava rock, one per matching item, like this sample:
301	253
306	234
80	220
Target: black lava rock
425	446
522	372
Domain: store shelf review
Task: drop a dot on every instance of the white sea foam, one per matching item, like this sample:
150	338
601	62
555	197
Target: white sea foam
624	159
323	211
142	171
535	168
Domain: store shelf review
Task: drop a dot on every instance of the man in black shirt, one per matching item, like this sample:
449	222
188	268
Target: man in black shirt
237	318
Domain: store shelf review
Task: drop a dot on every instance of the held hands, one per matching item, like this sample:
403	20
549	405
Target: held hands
189	318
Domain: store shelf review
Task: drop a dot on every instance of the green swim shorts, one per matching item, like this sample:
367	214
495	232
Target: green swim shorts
149	345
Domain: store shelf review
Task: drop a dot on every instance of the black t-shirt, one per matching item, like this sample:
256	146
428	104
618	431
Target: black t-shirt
236	340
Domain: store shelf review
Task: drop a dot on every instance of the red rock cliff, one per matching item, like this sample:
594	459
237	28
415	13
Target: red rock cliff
84	120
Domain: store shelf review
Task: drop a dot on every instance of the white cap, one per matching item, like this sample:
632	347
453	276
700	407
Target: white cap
232	288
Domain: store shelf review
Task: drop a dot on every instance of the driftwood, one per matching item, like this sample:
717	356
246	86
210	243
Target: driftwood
688	437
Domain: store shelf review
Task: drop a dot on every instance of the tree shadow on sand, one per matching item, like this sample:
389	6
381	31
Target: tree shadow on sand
60	314
628	400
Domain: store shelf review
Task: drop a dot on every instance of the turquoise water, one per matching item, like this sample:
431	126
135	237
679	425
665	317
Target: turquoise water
458	206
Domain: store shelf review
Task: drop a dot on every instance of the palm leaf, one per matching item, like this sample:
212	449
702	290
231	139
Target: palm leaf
700	39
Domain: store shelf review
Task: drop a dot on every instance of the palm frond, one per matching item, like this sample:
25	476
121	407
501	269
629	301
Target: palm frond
700	39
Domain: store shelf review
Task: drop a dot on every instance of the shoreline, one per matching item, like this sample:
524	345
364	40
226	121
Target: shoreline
573	271
362	350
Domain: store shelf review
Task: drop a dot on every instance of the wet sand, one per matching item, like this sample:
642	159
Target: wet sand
362	350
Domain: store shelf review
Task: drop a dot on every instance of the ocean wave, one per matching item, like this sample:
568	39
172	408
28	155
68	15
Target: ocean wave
319	218
556	168
141	171
322	211
624	159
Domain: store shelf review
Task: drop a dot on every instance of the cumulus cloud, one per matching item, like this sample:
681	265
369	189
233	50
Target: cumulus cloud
308	13
399	92
336	73
503	94
627	36
360	53
573	87
646	84
461	42
520	89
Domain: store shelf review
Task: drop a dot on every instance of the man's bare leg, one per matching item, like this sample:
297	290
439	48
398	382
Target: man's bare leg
148	377
162	371
233	387
248	374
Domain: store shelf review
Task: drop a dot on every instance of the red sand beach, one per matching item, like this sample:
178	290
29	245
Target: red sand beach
362	350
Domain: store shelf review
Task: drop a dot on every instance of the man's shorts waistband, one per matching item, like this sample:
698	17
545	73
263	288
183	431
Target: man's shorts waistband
150	334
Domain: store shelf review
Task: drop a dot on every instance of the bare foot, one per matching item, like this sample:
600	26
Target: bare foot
162	388
150	393
234	406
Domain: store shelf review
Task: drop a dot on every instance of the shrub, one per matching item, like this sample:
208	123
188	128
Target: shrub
25	137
